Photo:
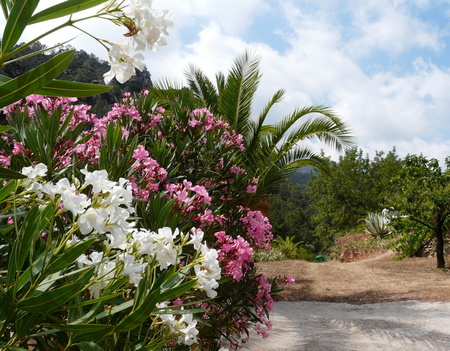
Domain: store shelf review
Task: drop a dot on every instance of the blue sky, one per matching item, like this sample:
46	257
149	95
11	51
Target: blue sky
382	65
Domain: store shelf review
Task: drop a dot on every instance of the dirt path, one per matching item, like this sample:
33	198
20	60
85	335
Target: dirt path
379	279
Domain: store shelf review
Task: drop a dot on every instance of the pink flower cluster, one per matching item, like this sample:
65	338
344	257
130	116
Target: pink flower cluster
251	188
258	228
81	112
235	254
189	197
148	174
264	304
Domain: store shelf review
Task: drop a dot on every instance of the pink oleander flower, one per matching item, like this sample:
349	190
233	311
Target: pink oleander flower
287	279
237	170
258	229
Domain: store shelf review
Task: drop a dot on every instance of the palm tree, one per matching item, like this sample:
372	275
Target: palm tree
272	151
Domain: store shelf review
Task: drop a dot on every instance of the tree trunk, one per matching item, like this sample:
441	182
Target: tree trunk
439	245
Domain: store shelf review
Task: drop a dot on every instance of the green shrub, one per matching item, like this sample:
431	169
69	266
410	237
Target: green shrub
304	254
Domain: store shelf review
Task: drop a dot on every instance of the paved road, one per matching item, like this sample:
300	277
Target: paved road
324	326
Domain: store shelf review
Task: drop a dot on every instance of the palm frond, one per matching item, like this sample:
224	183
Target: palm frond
239	90
170	93
220	82
202	88
257	130
321	127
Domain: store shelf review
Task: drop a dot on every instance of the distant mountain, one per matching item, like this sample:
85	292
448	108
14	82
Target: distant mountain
86	68
301	175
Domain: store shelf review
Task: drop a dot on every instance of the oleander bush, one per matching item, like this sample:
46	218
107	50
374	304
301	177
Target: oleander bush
129	231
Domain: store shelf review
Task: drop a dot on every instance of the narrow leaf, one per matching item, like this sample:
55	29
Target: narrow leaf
138	316
69	256
28	83
64	9
4	128
18	19
72	89
7	189
88	346
177	291
49	300
80	328
6	173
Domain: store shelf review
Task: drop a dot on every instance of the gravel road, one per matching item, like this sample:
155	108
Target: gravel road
328	326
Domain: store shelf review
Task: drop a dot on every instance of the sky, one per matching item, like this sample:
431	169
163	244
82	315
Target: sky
382	65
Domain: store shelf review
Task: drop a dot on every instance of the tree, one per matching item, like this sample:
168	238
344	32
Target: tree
354	187
425	197
290	214
271	151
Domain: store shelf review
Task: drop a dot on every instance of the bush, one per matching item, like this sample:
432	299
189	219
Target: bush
137	221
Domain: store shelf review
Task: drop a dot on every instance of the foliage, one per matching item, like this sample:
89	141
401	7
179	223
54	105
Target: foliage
182	171
287	246
354	186
290	215
425	198
412	237
376	225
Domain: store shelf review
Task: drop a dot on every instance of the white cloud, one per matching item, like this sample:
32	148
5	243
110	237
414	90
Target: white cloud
232	16
381	24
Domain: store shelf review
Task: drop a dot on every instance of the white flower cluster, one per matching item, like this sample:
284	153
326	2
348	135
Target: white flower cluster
146	29
184	327
108	212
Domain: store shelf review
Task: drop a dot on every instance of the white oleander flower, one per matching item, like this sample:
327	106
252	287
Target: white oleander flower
186	326
144	242
196	238
132	269
166	250
208	272
123	65
120	194
33	172
75	203
93	218
105	271
99	180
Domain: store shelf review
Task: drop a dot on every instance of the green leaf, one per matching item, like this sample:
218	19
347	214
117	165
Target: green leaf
7	189
138	316
80	328
72	89
69	256
4	128
65	89
88	346
28	83
115	309
64	9
6	173
177	291
52	299
18	19
27	235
